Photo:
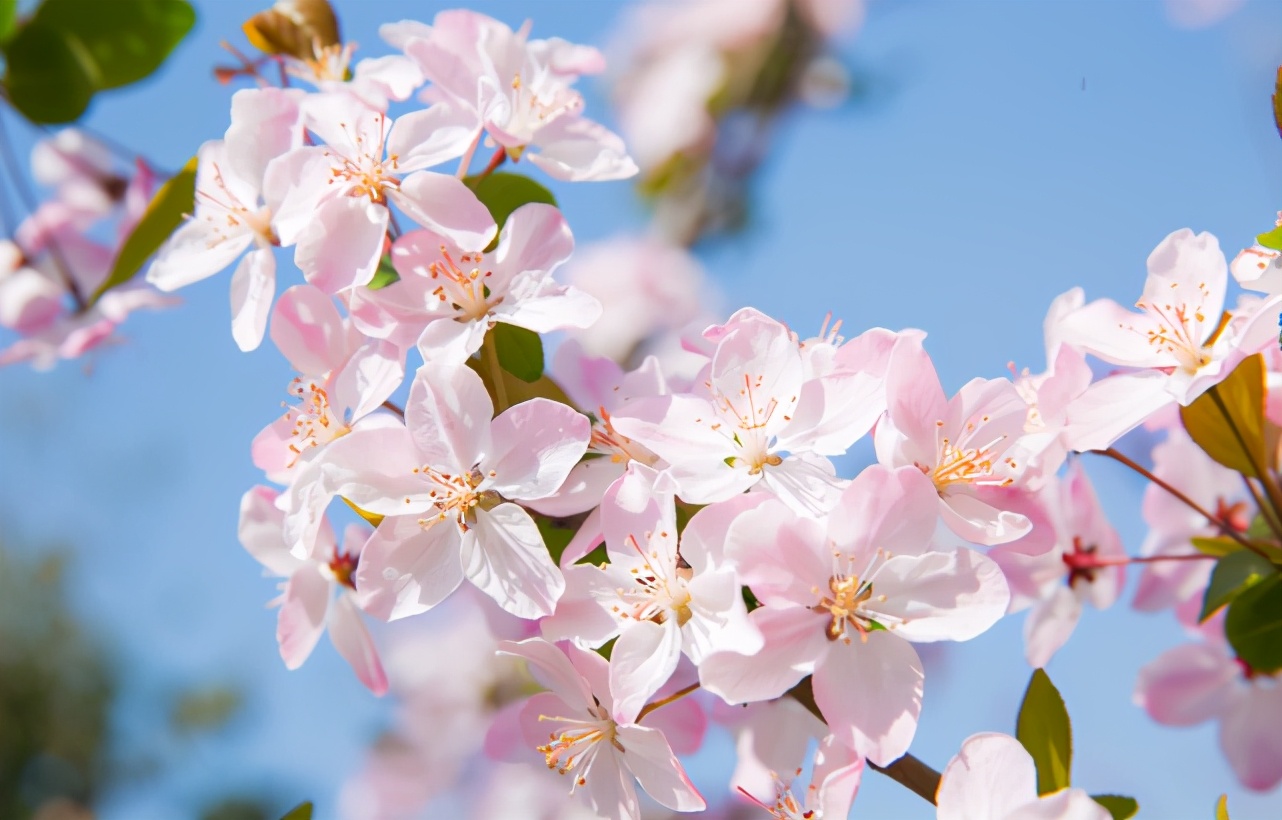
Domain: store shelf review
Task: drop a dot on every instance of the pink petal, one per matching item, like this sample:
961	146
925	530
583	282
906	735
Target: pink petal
578	149
261	531
421	139
302	614
448	415
880	722
644	657
535	237
340	248
650	759
794	641
308	330
1050	624
1251	736
552	669
894	510
535	445
368	378
252	287
950	596
505	557
1187	685
444	204
991	776
406	569
353	642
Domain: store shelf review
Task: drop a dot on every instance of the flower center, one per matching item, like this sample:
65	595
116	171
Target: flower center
621	449
463	288
1178	328
315	422
658	594
457	496
958	462
577	742
786	805
230	217
366	173
343	566
751	414
534	104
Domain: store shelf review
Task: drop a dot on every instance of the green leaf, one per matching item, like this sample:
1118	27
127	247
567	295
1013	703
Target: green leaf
385	275
556	535
121	41
503	193
1254	625
8	16
520	351
1044	729
1219	546
1271	239
1122	808
1222	808
303	811
46	79
1227	421
163	216
1233	574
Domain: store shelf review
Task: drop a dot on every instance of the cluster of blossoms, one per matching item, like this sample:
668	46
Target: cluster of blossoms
60	255
656	530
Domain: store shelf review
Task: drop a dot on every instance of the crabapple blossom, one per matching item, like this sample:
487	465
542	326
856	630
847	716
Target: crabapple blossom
657	597
343	378
1055	583
1196	682
447	483
1180	344
993	778
452	291
488	78
230	216
968	446
332	199
757	419
587	726
308	605
842	599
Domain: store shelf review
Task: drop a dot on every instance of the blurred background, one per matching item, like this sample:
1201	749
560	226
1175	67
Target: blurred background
957	166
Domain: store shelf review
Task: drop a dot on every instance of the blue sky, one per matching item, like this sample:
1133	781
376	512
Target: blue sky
1006	151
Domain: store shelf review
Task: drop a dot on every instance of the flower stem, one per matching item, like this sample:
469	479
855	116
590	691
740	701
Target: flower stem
1223	526
466	161
495	161
658	704
496	373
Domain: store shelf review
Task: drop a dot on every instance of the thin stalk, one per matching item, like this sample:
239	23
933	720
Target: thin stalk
495	161
912	774
28	198
466	162
658	704
496	374
1223	526
1270	515
395	408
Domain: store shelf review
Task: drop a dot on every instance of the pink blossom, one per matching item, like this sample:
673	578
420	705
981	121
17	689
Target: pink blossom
586	726
230	216
488	78
308	604
1180	344
343	377
660	599
993	778
1197	682
1056	583
451	291
447	483
841	599
968	446
332	200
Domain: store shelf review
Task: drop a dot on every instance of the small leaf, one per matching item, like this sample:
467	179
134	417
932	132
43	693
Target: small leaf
303	811
503	193
45	77
1271	239
163	216
294	27
8	16
516	389
121	41
1227	421
520	351
1254	625
385	275
1044	729
1218	546
1233	574
1222	808
1122	808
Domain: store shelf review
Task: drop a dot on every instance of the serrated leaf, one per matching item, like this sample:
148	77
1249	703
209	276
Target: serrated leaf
1227	421
1122	808
385	275
303	811
1254	625
122	41
1233	574
163	216
520	351
293	27
503	193
45	77
1046	733
1271	239
8	17
1222	808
